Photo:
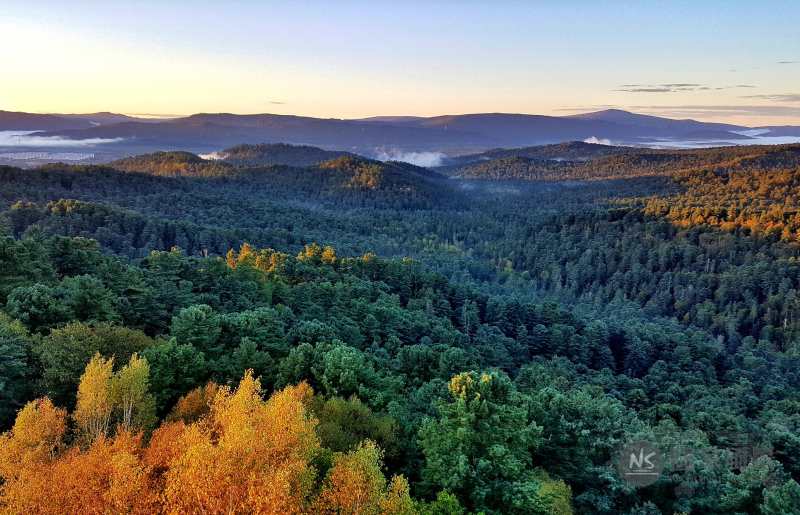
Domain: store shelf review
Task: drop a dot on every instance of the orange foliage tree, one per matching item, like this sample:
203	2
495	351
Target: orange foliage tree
223	451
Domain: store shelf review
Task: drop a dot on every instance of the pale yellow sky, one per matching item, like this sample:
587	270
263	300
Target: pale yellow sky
294	61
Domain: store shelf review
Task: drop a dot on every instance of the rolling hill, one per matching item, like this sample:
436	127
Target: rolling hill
18	121
582	161
451	134
266	154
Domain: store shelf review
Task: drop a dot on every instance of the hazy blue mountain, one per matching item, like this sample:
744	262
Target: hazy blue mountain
452	134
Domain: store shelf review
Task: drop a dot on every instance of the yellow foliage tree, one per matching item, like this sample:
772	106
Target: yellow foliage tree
244	455
93	409
130	395
195	404
247	455
355	485
26	453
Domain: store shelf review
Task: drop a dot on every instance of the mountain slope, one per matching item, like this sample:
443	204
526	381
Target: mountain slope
654	122
266	154
569	151
18	121
172	164
348	179
214	131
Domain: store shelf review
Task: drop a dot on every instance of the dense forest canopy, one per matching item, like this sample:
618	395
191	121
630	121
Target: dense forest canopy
378	338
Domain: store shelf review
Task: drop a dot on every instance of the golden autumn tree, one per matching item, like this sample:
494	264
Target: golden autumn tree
246	456
130	395
26	453
195	404
93	409
225	451
355	485
35	437
108	477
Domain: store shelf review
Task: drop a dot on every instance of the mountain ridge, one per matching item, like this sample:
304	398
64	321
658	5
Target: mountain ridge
450	134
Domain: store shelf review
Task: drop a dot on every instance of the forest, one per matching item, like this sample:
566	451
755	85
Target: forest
293	330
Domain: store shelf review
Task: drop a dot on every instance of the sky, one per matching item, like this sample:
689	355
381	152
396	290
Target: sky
732	61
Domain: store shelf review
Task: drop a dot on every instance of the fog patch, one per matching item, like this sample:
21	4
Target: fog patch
30	139
752	132
597	141
759	140
213	156
424	159
46	156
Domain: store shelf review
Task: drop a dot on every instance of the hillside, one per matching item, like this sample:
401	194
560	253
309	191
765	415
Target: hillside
604	162
568	151
357	181
656	122
172	164
266	154
347	180
203	132
18	121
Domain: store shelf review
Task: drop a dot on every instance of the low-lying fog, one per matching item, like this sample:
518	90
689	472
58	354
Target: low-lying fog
30	139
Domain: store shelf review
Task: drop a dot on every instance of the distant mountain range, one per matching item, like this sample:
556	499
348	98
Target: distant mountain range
19	121
451	135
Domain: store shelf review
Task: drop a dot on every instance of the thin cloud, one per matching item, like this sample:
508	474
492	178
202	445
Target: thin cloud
674	87
786	97
723	110
646	90
583	109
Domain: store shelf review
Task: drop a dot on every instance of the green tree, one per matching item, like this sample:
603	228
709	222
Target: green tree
480	447
63	355
16	372
198	326
780	500
174	370
88	300
343	424
40	307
